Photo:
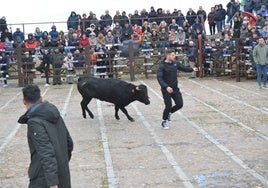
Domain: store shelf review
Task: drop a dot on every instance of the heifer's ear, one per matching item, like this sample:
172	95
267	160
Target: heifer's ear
138	88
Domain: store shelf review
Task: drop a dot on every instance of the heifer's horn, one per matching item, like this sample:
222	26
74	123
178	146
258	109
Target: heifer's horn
138	88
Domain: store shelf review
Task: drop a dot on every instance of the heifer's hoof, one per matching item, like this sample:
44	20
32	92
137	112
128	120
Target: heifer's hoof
131	119
84	116
92	117
117	118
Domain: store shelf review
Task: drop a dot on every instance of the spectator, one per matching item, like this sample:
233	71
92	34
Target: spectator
95	21
263	11
72	21
260	56
27	69
223	14
37	33
265	27
84	41
173	26
155	27
136	19
79	61
191	16
244	32
256	6
109	38
137	37
201	14
144	16
57	61
155	39
145	26
260	24
91	29
168	17
47	61
180	18
190	35
211	21
162	25
181	36
192	55
6	34
18	36
54	33
197	26
50	42
69	66
85	22
74	41
185	26
117	17
146	39
117	32
3	24
232	8
4	65
160	16
172	39
92	39
30	44
163	39
127	31
106	20
248	6
100	42
152	16
237	26
124	19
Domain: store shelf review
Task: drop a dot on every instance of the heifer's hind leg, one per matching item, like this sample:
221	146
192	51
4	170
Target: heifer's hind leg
84	107
124	110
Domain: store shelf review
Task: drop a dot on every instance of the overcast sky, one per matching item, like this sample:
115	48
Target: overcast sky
33	11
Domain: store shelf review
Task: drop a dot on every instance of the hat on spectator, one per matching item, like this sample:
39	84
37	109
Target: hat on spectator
180	28
92	33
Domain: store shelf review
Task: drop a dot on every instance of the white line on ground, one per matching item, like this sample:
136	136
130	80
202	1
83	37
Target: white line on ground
239	101
220	146
186	181
11	100
240	88
113	182
230	118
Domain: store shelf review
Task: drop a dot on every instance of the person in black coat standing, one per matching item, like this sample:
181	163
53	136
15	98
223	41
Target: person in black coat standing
49	142
167	79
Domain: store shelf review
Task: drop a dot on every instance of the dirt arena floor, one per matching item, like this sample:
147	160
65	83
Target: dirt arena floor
219	139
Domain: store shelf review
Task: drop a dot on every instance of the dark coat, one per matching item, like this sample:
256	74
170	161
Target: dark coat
50	146
167	73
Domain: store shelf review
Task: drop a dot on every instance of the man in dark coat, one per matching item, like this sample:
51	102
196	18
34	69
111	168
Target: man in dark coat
168	80
49	142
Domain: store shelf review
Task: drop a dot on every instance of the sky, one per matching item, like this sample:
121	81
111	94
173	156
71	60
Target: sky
53	12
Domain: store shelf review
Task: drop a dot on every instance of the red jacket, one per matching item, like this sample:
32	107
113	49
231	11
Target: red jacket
84	42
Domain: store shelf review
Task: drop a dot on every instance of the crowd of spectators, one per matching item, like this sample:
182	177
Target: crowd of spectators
156	28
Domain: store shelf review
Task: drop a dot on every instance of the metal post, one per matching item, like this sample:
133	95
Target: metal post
131	61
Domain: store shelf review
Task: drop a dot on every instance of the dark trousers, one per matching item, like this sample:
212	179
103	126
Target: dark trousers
212	29
177	98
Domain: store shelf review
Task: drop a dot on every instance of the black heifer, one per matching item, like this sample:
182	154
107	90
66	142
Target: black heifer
115	91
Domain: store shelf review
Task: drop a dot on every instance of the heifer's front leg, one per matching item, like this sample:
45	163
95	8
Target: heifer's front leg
84	107
116	108
124	110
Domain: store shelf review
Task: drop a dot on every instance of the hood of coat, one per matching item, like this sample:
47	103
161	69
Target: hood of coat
44	110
